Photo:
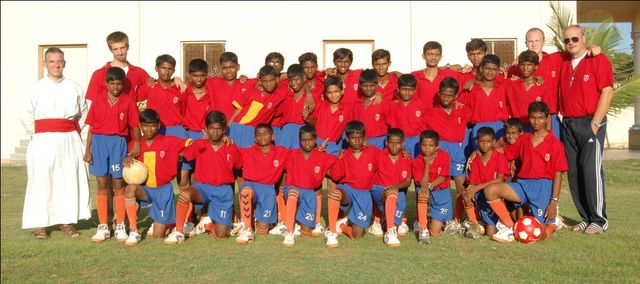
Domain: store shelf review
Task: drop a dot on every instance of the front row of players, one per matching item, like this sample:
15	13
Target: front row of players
369	182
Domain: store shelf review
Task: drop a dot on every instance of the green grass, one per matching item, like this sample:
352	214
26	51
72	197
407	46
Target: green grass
567	257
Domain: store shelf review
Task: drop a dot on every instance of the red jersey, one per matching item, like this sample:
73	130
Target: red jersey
351	81
410	118
519	98
580	88
307	173
389	90
161	158
488	107
427	90
214	167
549	70
464	77
223	94
330	125
113	119
452	126
357	172
169	102
438	168
263	168
392	172
135	78
543	160
374	118
290	109
481	173
317	90
196	110
256	107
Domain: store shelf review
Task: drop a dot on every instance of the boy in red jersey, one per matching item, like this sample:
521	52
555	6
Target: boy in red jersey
431	175
487	168
313	78
225	89
262	166
387	82
374	116
111	119
294	109
215	162
408	113
342	59
355	169
306	168
430	77
389	191
543	161
160	154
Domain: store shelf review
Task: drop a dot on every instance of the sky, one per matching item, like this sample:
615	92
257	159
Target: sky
625	32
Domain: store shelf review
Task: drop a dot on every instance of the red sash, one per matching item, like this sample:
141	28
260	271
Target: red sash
56	125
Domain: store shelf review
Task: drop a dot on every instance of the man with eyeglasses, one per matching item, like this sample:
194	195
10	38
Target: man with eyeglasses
586	91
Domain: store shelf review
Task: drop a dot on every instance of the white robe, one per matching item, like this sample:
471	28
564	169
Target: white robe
58	183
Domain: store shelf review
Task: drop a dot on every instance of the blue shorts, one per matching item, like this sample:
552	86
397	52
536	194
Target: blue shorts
277	132
163	203
289	136
377	141
193	135
360	204
440	205
555	126
497	126
108	153
401	203
458	162
220	199
412	145
307	204
333	148
243	135
264	199
537	193
486	213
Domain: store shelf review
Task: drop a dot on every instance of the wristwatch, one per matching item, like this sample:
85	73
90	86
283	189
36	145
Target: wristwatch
556	199
429	186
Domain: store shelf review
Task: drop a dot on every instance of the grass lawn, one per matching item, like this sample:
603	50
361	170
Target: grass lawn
567	257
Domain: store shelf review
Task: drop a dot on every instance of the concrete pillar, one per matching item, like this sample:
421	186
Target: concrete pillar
635	35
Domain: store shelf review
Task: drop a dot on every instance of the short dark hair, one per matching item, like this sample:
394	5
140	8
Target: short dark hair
215	116
486	131
353	127
165	58
273	55
115	73
198	65
380	54
528	56
449	82
430	134
265	126
333	80
307	128
295	70
513	122
368	76
52	50
342	53
432	45
476	44
149	116
308	56
407	80
266	71
395	132
539	107
228	57
490	58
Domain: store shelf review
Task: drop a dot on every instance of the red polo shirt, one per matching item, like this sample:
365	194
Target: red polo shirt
579	97
214	167
135	78
390	172
307	173
161	158
116	119
169	103
481	173
196	110
452	126
410	118
263	168
439	167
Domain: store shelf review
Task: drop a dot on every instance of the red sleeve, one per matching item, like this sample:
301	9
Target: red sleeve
143	91
237	164
446	166
133	114
605	72
502	165
512	152
338	171
560	158
192	151
474	175
94	85
91	120
417	168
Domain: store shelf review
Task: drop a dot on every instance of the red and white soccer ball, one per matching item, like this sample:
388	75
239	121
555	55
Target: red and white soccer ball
527	230
136	173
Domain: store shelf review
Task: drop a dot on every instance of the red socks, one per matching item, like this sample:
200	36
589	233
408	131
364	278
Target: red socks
292	206
246	207
390	210
501	210
131	207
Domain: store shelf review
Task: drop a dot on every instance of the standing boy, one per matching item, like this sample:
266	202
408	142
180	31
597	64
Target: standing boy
408	113
387	82
430	77
294	110
226	89
374	116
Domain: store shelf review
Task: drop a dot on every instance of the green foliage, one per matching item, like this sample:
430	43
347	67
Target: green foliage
560	19
624	94
622	66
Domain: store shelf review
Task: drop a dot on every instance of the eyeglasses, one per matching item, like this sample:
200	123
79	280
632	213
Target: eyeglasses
568	40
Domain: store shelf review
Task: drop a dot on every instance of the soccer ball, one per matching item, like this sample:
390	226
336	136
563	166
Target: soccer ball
136	173
527	230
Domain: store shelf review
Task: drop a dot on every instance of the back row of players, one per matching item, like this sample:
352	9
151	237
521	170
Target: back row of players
364	117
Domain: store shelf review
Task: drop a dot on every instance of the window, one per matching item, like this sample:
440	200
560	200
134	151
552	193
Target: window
75	56
209	51
505	48
362	50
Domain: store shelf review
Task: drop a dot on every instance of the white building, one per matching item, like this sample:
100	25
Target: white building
251	30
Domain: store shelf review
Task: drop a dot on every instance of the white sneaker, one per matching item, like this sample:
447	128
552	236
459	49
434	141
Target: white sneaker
296	230
200	228
101	234
416	226
189	229
504	234
174	238
331	238
424	237
473	231
453	228
237	227
391	238
340	222
133	239
403	229
376	229
278	230
245	236
560	223
120	233
466	224
150	231
289	239
317	231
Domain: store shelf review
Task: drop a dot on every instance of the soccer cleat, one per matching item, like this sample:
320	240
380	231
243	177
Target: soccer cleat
317	231
237	227
453	228
473	232
102	234
244	236
296	230
289	239
174	238
376	229
120	233
424	237
150	231
133	239
339	223
466	224
416	226
189	229
200	228
560	223
403	229
331	239
278	230
391	238
504	234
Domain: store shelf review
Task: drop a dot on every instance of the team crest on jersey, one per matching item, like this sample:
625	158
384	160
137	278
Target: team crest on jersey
586	77
553	73
269	105
439	170
538	98
341	118
122	116
377	117
418	113
175	100
228	157
370	167
355	87
243	90
316	169
162	154
495	175
459	120
276	163
404	174
547	157
206	108
500	104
